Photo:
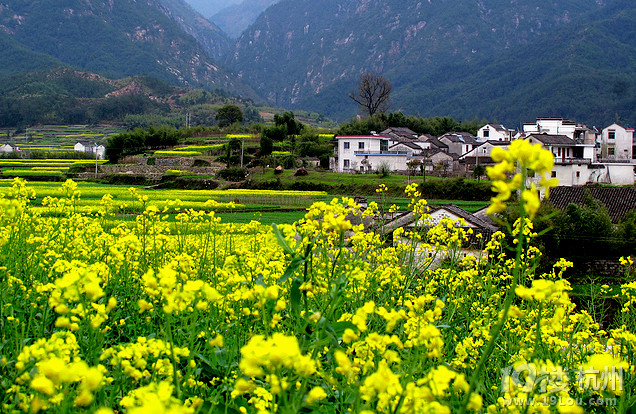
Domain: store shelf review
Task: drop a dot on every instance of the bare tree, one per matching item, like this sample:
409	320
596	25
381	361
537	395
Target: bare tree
373	93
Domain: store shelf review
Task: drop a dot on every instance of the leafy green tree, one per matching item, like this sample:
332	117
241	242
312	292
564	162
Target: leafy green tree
228	115
251	115
287	119
267	145
479	171
275	132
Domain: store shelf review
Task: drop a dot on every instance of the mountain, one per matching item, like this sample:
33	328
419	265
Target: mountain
235	18
210	7
16	57
210	36
463	58
116	39
68	96
585	70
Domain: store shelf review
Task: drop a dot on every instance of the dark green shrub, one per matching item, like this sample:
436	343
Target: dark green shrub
201	163
233	174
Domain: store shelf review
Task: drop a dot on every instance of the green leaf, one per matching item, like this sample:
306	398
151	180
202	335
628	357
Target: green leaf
281	240
295	295
293	265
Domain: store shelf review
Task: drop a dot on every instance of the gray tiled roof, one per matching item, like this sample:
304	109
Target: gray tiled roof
437	143
618	200
400	132
464	137
548	139
408	144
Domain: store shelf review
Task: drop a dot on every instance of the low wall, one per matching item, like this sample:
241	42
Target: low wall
152	172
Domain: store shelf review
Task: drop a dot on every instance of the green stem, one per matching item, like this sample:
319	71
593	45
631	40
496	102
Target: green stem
477	374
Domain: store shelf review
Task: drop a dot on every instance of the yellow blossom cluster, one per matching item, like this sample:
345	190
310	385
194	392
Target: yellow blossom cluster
521	157
175	311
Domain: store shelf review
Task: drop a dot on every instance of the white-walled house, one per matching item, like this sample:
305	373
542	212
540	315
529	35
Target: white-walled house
494	132
616	143
92	148
575	163
484	150
354	151
6	148
560	126
551	126
458	142
369	153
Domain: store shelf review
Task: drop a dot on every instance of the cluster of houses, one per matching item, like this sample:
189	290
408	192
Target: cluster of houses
87	147
582	155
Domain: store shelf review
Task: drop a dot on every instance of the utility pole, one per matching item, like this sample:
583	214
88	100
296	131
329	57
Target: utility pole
242	145
95	149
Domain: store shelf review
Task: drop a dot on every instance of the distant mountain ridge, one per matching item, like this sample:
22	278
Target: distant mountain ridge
213	39
235	18
443	56
118	39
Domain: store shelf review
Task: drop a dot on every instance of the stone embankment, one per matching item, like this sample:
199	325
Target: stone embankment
153	172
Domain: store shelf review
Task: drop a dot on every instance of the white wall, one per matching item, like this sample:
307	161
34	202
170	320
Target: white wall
371	144
493	134
371	162
551	126
621	143
581	174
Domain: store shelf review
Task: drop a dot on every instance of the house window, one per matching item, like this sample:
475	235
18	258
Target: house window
610	151
578	174
346	163
486	133
360	145
346	145
611	134
553	174
384	145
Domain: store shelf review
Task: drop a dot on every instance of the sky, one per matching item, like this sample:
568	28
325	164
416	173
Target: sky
207	8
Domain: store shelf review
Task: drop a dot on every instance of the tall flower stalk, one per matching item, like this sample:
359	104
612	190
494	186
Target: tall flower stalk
521	158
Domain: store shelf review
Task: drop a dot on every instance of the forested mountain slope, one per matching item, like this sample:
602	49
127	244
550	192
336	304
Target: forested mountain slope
116	39
511	60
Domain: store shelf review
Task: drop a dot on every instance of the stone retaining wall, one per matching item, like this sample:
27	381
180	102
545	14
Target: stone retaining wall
153	172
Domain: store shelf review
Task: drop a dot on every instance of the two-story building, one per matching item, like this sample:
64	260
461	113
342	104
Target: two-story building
480	154
458	142
363	153
92	148
494	132
561	126
617	144
575	163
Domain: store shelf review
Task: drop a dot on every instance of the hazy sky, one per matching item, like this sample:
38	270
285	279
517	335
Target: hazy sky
209	7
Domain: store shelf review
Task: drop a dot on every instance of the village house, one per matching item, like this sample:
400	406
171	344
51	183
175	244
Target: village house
560	126
616	144
92	148
400	134
363	153
494	132
481	154
575	162
462	219
434	143
6	148
458	142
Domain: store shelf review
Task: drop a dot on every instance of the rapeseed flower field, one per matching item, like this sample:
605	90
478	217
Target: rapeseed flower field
320	316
